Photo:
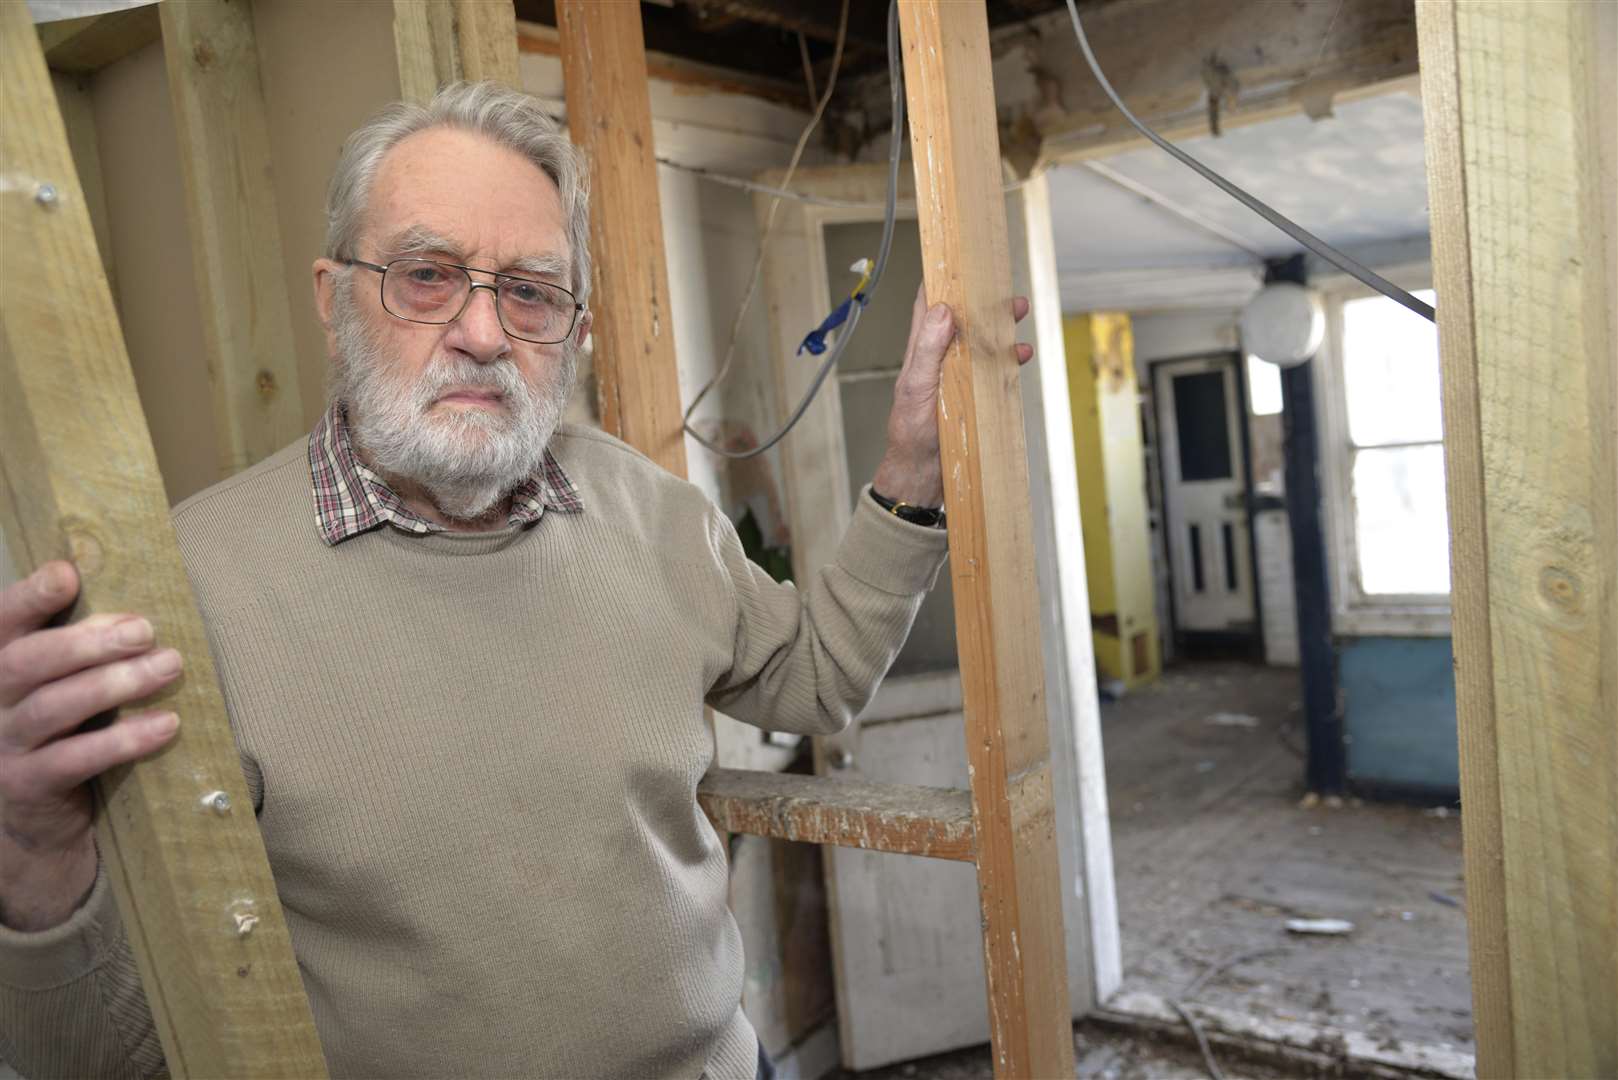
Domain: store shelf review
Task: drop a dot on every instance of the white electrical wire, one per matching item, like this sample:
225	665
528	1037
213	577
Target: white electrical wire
1274	217
846	333
769	227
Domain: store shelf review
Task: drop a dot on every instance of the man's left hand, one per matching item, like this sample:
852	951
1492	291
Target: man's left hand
911	471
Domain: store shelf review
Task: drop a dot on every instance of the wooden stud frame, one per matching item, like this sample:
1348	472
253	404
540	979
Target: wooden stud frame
610	116
212	59
966	262
1521	169
443	41
81	481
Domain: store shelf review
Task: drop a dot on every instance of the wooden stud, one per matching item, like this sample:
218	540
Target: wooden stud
213	69
1525	278
900	818
610	115
966	262
424	40
86	45
486	40
81	481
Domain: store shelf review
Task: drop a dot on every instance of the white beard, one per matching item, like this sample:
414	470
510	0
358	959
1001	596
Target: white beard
466	460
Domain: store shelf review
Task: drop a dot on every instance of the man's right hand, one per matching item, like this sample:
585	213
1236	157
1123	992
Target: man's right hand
51	682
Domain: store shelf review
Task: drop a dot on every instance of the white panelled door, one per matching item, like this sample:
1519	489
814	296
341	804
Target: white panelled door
1199	407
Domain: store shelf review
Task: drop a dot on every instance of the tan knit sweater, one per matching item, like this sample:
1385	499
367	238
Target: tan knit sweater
474	758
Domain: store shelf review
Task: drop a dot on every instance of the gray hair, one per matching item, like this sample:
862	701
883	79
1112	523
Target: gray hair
509	117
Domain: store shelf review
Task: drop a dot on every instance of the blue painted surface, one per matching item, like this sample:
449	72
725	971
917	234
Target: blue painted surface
1399	710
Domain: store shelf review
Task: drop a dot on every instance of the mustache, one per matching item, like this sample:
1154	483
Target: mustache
447	373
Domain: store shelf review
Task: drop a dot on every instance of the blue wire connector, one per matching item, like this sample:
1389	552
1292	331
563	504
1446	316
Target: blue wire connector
815	341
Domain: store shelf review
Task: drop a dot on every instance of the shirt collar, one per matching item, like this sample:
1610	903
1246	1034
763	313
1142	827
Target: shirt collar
350	498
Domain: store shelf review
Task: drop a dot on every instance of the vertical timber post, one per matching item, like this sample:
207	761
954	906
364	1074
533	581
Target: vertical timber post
80	481
967	264
609	112
1521	168
443	41
211	54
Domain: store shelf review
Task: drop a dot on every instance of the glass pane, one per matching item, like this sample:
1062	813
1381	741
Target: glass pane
1263	386
1390	373
1202	425
1402	533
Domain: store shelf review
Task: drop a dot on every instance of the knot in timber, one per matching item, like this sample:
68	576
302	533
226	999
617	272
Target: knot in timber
267	385
84	547
1561	590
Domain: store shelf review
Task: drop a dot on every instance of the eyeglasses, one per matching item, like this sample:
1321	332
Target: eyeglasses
423	291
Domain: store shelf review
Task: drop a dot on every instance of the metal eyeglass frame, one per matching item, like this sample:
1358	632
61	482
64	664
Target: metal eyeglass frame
494	288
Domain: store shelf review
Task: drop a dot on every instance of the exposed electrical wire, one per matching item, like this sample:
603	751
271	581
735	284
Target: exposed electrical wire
1285	224
769	228
846	334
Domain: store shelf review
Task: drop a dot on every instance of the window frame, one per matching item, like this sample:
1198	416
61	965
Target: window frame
1355	612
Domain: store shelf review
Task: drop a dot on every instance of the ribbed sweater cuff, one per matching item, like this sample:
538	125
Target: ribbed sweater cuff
64	953
889	553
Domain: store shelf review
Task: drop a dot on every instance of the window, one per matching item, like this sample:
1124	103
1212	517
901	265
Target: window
1383	452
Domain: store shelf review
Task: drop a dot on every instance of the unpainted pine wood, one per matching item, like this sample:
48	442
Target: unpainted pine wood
424	40
81	481
86	45
1525	282
212	61
901	818
486	40
966	263
610	116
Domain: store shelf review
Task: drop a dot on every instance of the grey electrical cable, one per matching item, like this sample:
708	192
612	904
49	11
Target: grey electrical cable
1285	224
846	333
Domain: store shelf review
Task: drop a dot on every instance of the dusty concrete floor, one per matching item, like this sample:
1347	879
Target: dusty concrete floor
1213	853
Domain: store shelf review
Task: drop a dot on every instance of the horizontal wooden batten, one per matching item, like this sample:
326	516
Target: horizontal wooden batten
902	819
85	45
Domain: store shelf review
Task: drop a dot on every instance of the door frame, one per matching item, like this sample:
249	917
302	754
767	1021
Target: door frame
819	504
1181	636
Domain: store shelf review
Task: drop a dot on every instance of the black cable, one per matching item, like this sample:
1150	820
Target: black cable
1274	217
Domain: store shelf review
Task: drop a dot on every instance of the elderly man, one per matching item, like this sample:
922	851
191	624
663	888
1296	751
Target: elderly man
464	650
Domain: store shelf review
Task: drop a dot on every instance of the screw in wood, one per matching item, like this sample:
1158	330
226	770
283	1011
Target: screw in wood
217	801
45	195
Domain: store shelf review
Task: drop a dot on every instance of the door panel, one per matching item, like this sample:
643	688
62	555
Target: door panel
1204	487
907	933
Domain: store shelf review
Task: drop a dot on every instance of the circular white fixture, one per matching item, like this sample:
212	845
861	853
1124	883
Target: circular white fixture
1284	324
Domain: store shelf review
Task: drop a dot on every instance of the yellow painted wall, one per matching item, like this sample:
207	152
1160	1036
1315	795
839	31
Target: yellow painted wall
1112	494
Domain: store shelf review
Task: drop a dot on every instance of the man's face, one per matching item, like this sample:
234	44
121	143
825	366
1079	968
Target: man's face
461	408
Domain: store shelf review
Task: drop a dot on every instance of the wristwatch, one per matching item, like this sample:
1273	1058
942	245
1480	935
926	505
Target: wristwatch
930	516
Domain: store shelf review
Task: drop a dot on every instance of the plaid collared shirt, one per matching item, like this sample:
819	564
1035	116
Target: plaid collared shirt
351	499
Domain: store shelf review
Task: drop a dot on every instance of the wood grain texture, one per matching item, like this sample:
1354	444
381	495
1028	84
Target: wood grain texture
486	41
899	818
966	263
610	116
1284	58
85	46
424	41
212	60
81	481
1525	277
